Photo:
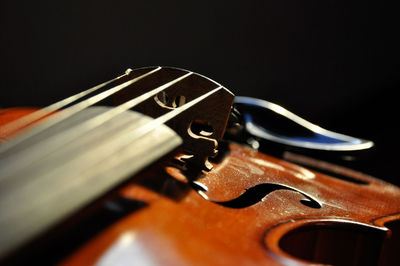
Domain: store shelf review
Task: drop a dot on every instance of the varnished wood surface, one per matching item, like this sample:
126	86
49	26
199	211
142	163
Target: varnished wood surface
179	227
357	223
9	115
50	176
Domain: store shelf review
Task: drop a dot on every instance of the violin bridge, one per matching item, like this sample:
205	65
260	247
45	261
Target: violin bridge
201	126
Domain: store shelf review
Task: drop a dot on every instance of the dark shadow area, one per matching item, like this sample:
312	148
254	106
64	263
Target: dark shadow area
334	244
255	194
335	63
58	244
390	249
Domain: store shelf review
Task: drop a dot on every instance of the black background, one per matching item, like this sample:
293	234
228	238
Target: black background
333	62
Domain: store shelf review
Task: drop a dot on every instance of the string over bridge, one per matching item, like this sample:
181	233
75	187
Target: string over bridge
201	126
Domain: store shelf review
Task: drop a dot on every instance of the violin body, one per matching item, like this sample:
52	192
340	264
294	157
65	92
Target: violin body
177	226
249	209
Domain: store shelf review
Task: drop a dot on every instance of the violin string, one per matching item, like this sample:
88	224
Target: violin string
74	132
120	140
135	101
58	117
132	133
106	153
168	116
36	115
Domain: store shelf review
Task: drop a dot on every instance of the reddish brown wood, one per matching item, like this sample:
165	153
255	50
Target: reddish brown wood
8	115
191	230
180	227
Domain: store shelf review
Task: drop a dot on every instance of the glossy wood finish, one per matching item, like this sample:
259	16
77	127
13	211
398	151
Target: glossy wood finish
176	225
48	177
11	114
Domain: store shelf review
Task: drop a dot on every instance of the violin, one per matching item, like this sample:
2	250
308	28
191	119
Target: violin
163	166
